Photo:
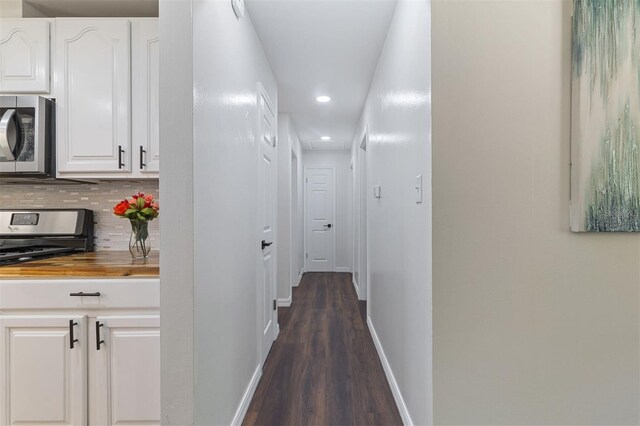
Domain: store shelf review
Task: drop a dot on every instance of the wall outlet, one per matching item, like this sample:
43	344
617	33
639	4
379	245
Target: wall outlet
376	191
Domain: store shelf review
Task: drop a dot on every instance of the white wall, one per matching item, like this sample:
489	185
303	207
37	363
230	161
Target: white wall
29	11
397	115
532	324
209	259
342	226
177	227
10	8
289	235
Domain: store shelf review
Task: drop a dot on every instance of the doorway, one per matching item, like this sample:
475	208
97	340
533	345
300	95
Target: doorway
319	219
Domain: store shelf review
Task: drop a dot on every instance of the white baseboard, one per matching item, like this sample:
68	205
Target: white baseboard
285	303
355	285
342	269
297	283
397	395
246	398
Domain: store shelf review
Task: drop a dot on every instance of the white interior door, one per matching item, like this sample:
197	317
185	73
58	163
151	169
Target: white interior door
43	378
320	225
125	370
268	217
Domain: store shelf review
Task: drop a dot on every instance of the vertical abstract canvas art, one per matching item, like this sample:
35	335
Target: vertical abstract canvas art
605	116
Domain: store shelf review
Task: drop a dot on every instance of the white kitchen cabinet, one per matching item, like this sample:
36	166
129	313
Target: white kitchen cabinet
145	86
92	88
47	382
43	360
126	370
24	56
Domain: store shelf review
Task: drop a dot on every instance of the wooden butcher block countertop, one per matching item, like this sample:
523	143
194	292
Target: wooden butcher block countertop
99	264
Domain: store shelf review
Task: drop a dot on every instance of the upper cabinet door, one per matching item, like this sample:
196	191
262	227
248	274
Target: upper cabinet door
92	87
145	80
24	56
43	359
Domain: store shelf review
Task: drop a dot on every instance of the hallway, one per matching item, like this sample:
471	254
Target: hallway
323	368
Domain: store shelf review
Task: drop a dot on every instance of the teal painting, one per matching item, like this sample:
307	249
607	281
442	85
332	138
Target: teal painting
605	116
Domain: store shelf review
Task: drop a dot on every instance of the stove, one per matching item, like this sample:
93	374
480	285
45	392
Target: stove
41	233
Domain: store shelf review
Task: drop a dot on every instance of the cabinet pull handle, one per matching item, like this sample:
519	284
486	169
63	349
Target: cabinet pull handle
72	340
98	340
120	152
82	293
9	135
142	163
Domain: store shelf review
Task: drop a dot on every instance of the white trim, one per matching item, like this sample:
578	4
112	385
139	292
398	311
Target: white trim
353	217
367	271
293	255
247	397
285	303
299	278
395	389
355	285
342	269
304	209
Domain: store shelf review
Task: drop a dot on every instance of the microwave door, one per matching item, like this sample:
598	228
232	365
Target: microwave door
9	139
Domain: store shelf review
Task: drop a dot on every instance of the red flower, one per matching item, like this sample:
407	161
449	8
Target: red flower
138	207
121	208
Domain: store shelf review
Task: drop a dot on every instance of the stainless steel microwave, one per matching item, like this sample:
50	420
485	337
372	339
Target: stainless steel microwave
27	136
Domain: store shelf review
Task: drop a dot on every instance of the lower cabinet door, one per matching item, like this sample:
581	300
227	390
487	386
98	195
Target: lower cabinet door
125	370
43	370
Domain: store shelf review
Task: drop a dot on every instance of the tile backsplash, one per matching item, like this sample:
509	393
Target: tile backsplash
111	232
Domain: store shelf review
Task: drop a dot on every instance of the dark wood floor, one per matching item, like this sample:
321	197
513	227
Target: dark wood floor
323	369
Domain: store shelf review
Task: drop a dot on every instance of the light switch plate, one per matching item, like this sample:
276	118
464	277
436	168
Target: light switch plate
376	191
419	189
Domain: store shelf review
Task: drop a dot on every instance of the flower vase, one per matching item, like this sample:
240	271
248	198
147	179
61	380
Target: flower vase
138	245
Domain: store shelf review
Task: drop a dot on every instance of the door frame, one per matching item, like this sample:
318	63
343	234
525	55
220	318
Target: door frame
364	212
262	92
333	234
294	183
352	215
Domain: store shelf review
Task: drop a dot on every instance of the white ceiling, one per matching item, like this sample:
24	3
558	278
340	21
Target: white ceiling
315	47
102	8
322	47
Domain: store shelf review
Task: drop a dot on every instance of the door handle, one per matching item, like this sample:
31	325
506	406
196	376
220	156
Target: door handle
72	340
8	134
265	244
328	226
120	152
98	340
82	294
142	163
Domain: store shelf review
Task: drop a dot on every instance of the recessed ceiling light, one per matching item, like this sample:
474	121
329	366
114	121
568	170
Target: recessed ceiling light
323	99
326	138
